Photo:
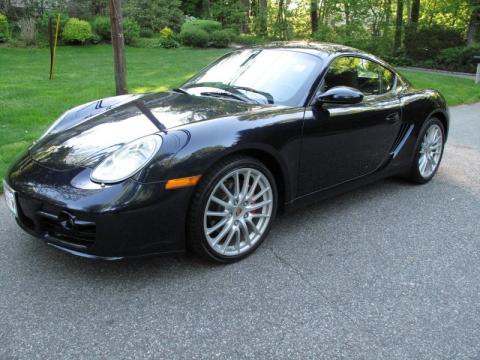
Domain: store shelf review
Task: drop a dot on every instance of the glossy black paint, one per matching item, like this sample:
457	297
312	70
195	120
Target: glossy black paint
340	95
315	150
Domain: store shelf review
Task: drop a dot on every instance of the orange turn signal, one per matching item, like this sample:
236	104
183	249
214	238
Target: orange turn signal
182	182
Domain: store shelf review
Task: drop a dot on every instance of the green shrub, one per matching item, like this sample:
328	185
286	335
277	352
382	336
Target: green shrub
101	26
42	23
157	42
426	43
250	40
131	30
169	43
458	58
96	39
324	34
146	33
154	15
77	31
220	38
4	30
167	33
208	26
194	37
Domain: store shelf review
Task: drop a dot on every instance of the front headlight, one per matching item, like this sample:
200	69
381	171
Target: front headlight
127	160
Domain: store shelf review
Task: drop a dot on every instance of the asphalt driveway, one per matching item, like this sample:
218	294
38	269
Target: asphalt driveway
389	271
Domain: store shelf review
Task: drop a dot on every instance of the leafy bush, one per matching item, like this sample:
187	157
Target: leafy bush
131	30
28	30
169	43
220	38
4	30
154	15
101	26
208	26
156	42
250	40
324	34
96	39
42	23
194	37
458	58
146	33
426	43
77	31
167	33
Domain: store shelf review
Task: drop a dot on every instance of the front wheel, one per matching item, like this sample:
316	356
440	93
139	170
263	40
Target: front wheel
429	151
232	209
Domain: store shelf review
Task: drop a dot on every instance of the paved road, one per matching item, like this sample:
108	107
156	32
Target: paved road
389	271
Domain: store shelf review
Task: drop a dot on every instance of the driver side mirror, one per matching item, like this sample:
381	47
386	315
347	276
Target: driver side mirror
340	95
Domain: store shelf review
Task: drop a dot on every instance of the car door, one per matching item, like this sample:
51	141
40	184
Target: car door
342	142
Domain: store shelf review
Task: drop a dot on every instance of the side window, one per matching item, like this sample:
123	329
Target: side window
364	75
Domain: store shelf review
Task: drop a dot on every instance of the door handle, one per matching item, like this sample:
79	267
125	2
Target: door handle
393	117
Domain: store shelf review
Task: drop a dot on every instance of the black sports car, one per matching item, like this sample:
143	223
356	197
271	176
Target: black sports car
206	167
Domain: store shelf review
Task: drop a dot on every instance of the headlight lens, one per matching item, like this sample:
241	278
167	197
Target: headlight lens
127	160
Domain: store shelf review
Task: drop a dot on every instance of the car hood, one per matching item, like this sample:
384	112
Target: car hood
85	135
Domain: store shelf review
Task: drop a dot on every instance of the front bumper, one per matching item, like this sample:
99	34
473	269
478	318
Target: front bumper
111	222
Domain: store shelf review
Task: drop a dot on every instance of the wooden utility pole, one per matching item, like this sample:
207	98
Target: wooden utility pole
118	44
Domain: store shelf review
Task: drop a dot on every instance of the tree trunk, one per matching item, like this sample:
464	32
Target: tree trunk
388	14
314	15
246	16
398	27
473	33
118	44
263	17
415	14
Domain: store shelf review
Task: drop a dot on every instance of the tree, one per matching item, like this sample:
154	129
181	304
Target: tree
314	15
473	32
262	18
398	27
118	43
155	14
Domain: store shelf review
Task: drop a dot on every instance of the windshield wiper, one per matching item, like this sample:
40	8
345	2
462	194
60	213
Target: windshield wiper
181	90
267	95
225	94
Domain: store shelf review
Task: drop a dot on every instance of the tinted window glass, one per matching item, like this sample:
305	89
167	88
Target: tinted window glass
283	74
364	75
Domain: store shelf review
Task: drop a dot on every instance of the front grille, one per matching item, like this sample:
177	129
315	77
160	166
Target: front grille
57	224
66	227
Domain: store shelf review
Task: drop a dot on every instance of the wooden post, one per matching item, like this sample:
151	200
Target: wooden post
118	44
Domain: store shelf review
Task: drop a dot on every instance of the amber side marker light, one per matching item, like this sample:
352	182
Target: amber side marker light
182	182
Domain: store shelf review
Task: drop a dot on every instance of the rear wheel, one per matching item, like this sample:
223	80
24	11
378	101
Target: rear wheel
232	209
429	151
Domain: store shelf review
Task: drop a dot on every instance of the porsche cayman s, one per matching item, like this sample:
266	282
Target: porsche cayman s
206	167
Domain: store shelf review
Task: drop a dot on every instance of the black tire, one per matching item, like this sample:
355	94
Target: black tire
415	176
196	239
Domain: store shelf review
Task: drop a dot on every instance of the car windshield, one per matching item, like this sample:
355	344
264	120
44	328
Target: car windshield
274	76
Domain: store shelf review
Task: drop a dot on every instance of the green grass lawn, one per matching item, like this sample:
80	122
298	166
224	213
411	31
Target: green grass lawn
455	89
29	102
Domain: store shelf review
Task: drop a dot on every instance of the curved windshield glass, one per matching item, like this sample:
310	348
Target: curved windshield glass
273	76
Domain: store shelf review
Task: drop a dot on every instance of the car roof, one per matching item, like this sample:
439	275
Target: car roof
322	50
317	48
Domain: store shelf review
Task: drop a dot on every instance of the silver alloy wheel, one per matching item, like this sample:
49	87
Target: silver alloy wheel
238	211
430	151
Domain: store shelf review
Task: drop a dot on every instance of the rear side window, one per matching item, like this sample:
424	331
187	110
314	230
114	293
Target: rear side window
362	74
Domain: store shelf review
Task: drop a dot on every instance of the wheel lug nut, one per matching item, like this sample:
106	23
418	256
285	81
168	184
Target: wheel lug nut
236	222
245	216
